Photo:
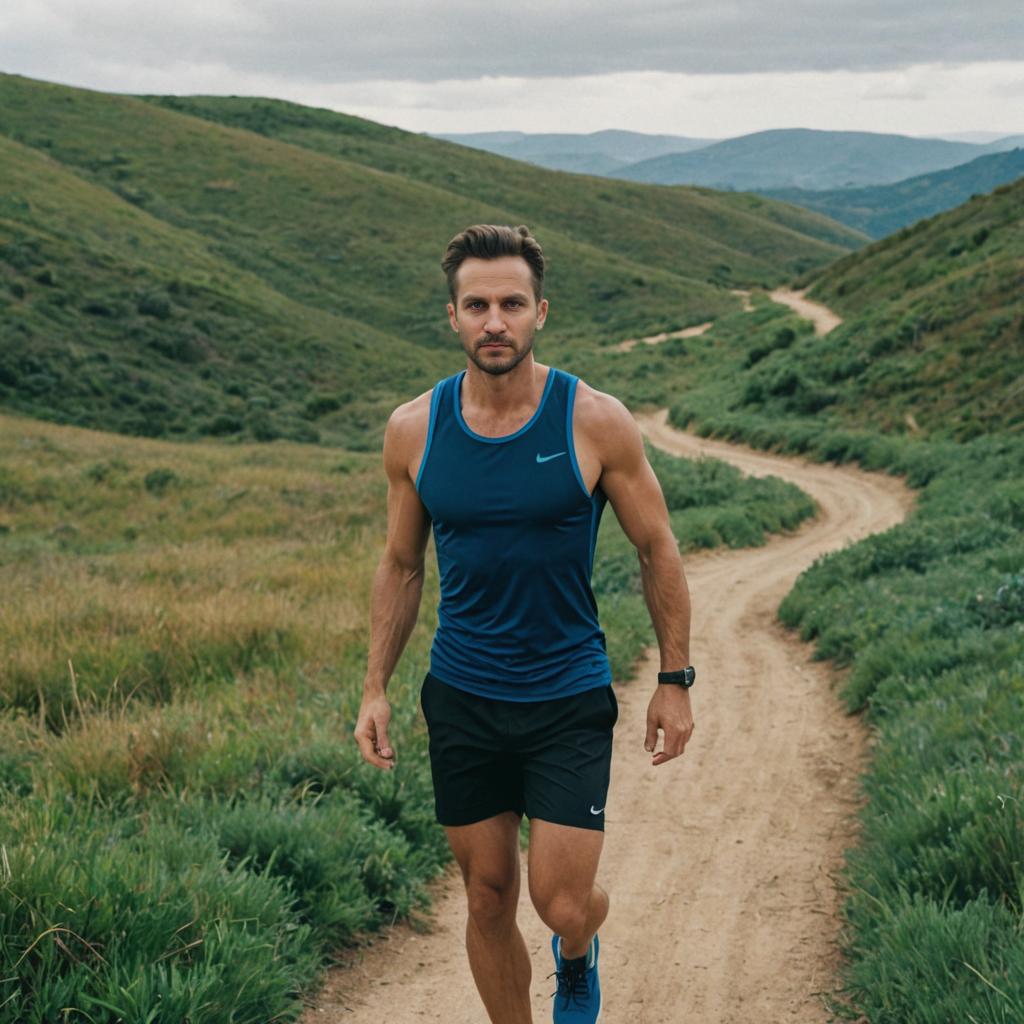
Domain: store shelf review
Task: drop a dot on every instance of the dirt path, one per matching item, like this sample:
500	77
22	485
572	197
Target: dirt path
822	317
744	296
656	339
720	865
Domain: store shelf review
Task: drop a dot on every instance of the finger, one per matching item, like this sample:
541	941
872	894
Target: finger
383	744
651	739
675	740
368	750
671	748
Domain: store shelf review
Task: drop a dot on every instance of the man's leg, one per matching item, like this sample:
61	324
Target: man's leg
563	865
488	854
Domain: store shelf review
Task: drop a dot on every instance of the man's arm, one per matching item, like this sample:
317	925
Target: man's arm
635	494
397	583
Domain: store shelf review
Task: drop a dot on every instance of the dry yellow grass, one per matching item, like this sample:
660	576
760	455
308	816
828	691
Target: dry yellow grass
169	609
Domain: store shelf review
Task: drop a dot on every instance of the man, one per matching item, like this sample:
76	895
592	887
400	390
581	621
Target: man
511	462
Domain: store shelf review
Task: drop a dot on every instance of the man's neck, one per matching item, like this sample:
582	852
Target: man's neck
504	392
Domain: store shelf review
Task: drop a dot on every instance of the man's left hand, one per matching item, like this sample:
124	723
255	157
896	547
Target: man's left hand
668	711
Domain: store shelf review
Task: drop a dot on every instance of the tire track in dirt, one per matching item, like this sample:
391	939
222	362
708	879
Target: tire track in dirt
721	864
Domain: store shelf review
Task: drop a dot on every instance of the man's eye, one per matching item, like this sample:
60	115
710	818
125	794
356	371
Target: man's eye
513	302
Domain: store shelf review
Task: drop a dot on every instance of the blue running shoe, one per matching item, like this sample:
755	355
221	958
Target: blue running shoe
578	995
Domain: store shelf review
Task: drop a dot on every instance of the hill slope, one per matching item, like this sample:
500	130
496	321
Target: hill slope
166	274
689	231
804	158
880	210
935	316
109	315
931	343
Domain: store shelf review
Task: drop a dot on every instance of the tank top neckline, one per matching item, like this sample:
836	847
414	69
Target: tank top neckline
457	403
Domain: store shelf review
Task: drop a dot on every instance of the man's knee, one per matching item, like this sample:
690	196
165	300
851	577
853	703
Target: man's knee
491	899
563	912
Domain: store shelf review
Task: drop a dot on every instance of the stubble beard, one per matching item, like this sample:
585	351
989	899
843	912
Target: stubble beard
498	369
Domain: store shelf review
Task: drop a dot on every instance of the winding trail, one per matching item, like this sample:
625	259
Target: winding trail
822	317
656	339
720	865
744	296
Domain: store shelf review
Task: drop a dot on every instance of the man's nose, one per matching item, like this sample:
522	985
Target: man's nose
495	321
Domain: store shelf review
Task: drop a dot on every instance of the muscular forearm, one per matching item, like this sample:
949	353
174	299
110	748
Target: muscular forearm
668	600
394	604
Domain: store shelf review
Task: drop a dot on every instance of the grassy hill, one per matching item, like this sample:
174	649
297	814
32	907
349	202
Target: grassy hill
880	210
925	378
935	321
932	342
162	273
111	315
804	158
687	231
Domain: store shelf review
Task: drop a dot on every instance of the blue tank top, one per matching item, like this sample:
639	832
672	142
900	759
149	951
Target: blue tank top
515	529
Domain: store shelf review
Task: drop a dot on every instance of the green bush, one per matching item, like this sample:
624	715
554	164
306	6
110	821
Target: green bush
155	304
151	924
158	480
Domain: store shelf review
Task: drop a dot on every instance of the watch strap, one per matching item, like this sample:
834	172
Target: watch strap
682	677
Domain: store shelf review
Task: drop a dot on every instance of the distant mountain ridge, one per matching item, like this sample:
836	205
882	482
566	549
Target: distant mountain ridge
808	159
594	153
786	158
880	210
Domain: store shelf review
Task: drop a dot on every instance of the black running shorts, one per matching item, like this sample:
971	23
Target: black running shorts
547	759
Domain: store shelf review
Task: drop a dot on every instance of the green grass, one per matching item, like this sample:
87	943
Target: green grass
251	270
926	618
182	642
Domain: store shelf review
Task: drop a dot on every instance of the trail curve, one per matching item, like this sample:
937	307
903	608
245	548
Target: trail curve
720	865
822	317
656	339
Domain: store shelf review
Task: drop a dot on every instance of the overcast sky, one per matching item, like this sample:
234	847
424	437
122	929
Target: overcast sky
697	67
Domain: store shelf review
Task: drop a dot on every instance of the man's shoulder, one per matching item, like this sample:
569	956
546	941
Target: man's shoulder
606	426
597	410
406	428
410	413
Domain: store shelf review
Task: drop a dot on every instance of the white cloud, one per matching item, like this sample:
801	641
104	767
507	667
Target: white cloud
693	67
431	40
927	99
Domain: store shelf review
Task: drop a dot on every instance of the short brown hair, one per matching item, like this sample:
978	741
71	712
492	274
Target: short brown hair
490	242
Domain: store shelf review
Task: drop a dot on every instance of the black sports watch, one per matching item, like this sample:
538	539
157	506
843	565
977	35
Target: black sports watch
684	677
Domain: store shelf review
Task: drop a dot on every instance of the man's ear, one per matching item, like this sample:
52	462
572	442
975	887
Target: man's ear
542	313
452	318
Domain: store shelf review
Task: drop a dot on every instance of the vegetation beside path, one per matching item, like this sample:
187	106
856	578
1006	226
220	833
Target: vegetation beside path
922	379
186	831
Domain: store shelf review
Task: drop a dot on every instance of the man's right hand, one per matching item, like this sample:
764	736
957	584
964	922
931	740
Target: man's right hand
371	732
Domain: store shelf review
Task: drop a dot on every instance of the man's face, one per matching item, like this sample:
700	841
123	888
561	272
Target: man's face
495	313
